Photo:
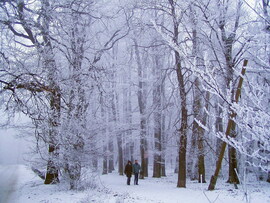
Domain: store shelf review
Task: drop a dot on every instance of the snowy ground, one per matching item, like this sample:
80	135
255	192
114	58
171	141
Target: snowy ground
18	184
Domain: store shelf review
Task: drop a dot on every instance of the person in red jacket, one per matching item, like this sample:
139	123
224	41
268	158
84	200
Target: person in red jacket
128	171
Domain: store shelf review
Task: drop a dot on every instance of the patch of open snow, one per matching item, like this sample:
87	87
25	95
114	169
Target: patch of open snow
164	190
29	188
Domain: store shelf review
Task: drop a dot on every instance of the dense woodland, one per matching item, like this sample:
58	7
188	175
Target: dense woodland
180	85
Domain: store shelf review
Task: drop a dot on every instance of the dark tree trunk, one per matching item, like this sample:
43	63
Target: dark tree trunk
183	95
144	151
105	160
157	118
233	178
52	168
183	129
228	41
163	165
201	167
111	156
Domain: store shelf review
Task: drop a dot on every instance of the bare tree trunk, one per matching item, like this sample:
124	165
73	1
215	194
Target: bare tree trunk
231	125
105	144
183	96
105	159
157	119
197	130
142	107
201	166
192	165
120	154
219	127
128	141
233	178
55	101
112	120
176	169
52	166
163	139
183	129
111	155
119	140
228	42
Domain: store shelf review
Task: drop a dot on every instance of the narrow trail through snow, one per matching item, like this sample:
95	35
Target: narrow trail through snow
8	182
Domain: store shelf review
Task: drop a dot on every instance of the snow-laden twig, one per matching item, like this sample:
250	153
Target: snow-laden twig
243	185
201	125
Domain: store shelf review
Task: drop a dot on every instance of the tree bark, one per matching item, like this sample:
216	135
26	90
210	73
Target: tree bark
231	125
142	107
157	119
183	129
183	95
55	101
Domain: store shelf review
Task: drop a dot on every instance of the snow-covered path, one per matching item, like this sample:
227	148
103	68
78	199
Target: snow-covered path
8	183
18	184
164	190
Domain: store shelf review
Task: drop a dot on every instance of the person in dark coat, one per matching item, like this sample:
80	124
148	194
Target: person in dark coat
128	171
136	171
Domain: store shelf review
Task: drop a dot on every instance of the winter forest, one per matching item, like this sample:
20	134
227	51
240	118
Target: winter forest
180	85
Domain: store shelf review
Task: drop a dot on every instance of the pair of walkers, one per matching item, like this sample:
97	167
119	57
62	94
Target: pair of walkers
132	168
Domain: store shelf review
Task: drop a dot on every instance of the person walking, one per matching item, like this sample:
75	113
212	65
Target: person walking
128	171
136	171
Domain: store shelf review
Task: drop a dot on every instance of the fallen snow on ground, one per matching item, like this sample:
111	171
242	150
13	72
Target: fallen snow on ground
112	188
165	190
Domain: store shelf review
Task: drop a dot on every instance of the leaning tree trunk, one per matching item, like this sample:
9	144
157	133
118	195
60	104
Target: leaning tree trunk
231	125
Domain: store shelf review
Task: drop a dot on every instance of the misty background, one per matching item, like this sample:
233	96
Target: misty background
14	143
